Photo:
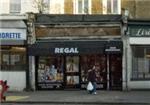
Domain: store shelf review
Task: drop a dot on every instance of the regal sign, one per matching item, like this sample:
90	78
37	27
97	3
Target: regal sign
66	50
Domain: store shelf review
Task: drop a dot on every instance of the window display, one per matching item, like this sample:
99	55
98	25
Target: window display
72	64
72	72
99	61
50	72
141	62
72	80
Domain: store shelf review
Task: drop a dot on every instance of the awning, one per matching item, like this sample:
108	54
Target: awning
12	24
74	47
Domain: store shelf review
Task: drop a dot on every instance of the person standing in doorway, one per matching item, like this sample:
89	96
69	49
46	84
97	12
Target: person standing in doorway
92	79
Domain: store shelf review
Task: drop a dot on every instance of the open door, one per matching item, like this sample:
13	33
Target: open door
115	66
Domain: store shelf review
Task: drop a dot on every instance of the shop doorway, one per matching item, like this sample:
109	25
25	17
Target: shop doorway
72	73
115	72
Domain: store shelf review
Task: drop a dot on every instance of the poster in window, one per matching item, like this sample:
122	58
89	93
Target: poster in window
72	80
72	64
50	72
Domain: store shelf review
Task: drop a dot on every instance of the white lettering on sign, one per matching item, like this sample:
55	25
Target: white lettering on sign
112	49
66	50
143	32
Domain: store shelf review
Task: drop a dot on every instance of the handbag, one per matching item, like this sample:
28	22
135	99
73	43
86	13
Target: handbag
89	86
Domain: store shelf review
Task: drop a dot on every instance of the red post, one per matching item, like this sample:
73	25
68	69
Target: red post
3	89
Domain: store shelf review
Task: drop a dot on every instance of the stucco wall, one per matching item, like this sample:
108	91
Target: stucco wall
15	79
138	9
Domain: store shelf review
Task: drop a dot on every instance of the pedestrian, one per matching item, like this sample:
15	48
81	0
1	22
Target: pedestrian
92	79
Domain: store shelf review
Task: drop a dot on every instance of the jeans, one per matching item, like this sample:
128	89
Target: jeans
94	86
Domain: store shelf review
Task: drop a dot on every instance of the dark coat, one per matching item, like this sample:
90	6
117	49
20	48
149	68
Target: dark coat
92	76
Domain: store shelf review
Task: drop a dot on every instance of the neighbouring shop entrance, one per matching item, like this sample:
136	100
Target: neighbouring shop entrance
115	72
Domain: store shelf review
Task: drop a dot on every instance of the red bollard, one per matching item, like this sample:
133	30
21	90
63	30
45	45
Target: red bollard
3	89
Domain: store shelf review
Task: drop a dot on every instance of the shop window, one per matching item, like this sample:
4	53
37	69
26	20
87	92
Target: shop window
50	72
111	6
15	6
141	62
13	58
82	6
87	63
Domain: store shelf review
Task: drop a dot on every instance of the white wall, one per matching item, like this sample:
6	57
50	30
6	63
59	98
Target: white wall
4	6
56	6
15	79
139	84
139	40
28	6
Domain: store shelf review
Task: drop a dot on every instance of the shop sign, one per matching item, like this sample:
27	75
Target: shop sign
143	31
112	49
66	50
12	34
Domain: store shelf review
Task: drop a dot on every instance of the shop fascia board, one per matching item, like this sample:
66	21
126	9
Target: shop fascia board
13	17
79	25
74	38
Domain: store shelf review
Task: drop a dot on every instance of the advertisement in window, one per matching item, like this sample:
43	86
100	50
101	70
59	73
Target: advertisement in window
50	72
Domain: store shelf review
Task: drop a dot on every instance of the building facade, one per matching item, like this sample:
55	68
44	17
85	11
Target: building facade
136	44
13	61
77	37
138	61
67	46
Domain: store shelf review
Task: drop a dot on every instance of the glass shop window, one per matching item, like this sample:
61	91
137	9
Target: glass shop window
141	62
13	58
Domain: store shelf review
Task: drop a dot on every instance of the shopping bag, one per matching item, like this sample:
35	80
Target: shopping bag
89	86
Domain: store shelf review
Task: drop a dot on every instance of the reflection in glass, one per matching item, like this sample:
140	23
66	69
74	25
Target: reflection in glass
88	61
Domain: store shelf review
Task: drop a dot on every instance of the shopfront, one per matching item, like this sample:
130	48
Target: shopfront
138	55
64	64
13	53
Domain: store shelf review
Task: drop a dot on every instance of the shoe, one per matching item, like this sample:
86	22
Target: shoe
94	93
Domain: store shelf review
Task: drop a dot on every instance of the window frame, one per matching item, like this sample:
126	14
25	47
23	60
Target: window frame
137	74
12	6
76	7
11	55
112	11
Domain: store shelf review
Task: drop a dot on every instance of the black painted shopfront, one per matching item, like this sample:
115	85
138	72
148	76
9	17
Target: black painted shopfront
63	64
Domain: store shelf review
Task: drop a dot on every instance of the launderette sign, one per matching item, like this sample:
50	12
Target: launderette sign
12	34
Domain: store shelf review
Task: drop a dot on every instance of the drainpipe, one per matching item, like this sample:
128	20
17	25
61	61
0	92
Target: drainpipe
30	41
125	48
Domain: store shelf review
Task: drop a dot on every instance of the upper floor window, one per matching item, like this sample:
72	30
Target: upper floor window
15	6
46	6
111	6
41	5
56	6
82	6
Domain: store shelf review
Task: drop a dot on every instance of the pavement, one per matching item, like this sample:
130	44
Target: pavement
79	96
